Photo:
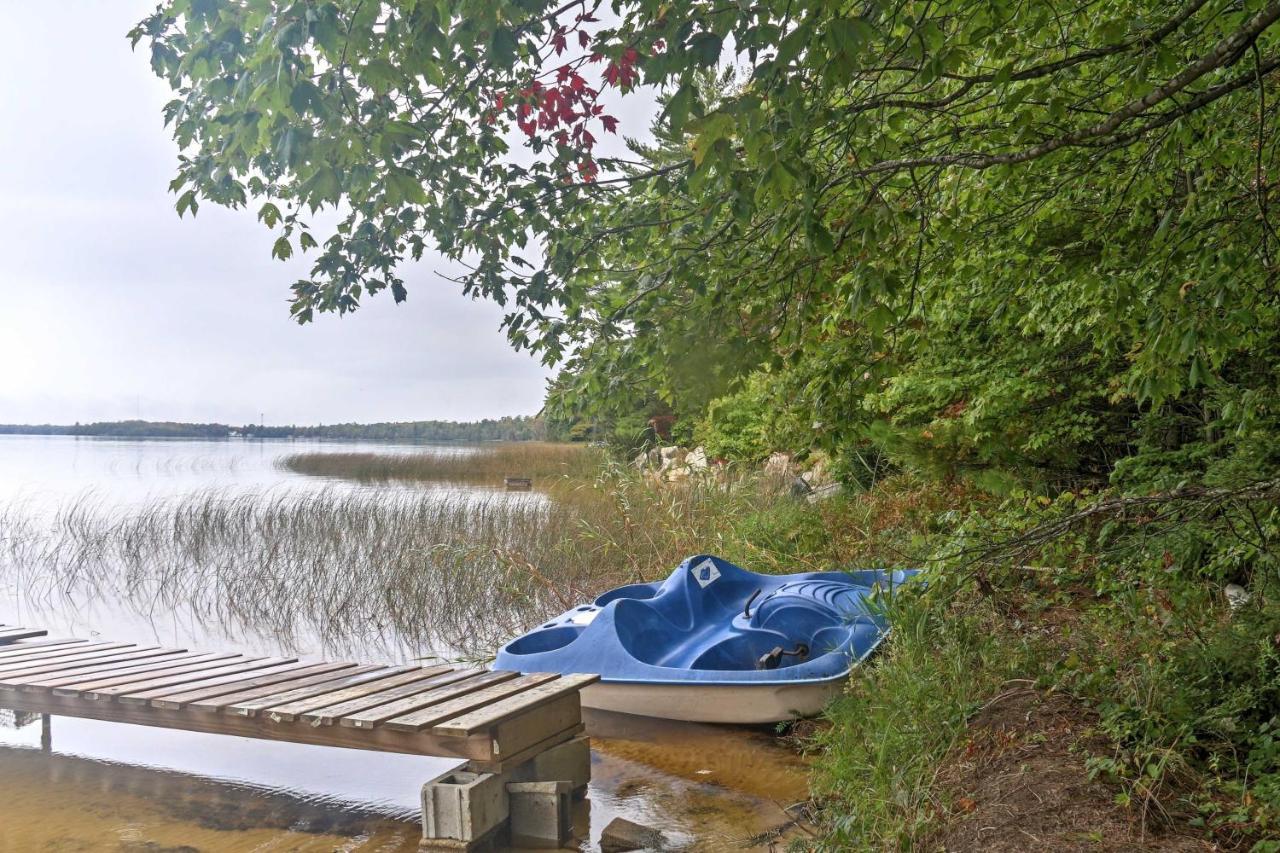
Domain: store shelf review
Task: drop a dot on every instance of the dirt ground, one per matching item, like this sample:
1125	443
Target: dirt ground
1019	783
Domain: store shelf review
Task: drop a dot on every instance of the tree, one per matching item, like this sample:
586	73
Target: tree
1011	232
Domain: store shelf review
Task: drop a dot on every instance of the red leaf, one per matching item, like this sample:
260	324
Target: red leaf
558	41
610	123
583	38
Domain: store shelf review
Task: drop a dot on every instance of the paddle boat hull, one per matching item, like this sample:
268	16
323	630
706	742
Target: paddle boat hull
716	643
711	703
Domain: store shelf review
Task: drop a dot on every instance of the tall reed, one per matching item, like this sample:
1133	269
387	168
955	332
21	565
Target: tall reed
358	567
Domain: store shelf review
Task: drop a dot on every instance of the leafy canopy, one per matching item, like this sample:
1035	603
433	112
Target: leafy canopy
982	233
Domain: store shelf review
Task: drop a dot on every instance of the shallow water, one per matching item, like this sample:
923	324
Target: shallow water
102	786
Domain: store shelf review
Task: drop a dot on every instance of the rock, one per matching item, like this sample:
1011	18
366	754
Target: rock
622	835
697	459
800	487
821	493
669	453
818	473
678	472
778	465
1237	596
647	459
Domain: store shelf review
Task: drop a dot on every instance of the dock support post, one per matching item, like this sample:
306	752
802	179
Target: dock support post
46	733
466	809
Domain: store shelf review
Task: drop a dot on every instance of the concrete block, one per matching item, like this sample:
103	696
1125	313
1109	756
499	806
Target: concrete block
541	813
569	761
465	807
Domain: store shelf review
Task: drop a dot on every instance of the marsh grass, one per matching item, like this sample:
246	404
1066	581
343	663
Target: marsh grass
547	463
372	568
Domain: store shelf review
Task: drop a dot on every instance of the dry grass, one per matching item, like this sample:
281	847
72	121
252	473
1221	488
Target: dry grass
488	465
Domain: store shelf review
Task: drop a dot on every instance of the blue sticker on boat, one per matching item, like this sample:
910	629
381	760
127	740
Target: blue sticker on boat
706	573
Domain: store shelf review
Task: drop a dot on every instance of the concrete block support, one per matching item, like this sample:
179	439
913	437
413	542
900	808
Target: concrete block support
461	810
541	813
468	810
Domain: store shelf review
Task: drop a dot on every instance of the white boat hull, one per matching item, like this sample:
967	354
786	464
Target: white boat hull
714	703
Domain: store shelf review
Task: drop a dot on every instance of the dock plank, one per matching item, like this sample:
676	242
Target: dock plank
28	647
81	684
112	670
60	652
318	683
13	635
498	712
147	682
17	675
140	694
371	717
427	717
293	710
261	706
234	681
240	688
328	715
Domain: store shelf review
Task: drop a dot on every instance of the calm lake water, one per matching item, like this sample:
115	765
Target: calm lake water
116	787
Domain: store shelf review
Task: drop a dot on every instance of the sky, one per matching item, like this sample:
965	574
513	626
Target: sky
111	307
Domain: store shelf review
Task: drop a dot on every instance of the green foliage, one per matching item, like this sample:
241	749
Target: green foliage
750	423
993	238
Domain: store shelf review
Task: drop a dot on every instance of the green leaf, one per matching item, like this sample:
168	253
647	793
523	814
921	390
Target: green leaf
503	46
281	249
705	48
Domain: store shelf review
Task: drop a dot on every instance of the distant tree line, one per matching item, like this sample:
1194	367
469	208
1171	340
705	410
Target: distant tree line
520	428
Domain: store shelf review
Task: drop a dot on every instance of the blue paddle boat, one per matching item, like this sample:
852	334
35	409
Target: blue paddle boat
715	642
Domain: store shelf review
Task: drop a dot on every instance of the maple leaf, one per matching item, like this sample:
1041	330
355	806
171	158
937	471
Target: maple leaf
610	123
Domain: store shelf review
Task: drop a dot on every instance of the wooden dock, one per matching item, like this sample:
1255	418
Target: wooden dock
496	721
488	718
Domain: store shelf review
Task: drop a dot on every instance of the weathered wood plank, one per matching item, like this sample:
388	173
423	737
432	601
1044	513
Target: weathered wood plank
165	696
531	726
330	714
293	710
427	717
166	667
54	654
148	682
324	681
256	706
13	635
115	670
369	718
258	679
489	715
11	678
29	647
140	694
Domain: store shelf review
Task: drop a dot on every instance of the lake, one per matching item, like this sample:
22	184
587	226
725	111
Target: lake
213	544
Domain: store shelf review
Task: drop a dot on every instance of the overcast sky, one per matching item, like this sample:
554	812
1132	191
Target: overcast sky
111	307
